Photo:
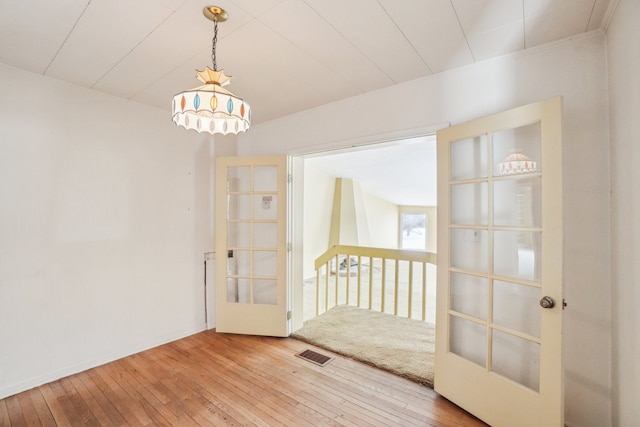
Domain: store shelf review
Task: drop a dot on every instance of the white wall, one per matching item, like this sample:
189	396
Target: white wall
318	205
105	216
575	69
382	217
623	47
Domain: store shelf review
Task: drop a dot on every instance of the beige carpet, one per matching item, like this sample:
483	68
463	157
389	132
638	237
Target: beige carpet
396	344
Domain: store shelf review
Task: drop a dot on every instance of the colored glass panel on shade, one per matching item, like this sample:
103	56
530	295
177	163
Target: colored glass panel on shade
211	108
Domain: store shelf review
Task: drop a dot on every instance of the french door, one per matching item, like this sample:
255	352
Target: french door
251	256
499	299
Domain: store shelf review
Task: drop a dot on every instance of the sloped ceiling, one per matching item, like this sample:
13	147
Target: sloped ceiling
285	55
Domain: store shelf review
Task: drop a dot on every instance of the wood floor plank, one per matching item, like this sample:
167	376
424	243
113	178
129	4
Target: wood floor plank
151	409
211	379
75	405
189	402
98	412
50	392
100	378
4	413
147	397
28	410
144	369
93	393
35	409
16	416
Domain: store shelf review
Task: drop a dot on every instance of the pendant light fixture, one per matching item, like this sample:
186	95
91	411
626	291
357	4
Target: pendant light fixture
210	107
516	163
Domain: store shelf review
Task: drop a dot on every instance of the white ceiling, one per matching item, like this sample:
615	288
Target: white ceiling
401	172
285	55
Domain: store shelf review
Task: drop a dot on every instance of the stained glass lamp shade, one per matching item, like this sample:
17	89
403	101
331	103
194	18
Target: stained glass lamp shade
516	163
210	107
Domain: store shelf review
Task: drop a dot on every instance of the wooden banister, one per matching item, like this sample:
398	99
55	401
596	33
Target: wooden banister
378	287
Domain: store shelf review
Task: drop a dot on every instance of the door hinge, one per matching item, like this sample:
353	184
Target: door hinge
289	178
289	315
289	247
564	304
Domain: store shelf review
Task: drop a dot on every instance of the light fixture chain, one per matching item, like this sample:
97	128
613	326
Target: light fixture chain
213	43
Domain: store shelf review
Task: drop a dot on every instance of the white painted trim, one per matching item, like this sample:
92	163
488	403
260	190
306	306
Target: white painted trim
365	141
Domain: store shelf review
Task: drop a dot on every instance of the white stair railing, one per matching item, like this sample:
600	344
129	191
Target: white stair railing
395	281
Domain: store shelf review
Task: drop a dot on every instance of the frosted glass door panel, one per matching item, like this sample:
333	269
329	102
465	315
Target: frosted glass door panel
238	234
469	340
469	158
242	262
265	178
265	207
517	359
517	202
516	307
469	295
238	179
469	204
265	291
517	254
238	291
523	142
265	235
265	263
469	249
239	207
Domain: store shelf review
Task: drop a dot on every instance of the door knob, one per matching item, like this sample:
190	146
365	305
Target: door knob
547	302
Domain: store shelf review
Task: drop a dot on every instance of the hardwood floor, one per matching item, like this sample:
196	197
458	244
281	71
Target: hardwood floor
211	379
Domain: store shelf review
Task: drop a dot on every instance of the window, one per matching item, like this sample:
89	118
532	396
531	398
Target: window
413	230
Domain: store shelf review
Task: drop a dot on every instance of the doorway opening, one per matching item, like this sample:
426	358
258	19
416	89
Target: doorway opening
388	200
379	202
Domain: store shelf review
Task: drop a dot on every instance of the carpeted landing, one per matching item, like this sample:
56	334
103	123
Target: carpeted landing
395	344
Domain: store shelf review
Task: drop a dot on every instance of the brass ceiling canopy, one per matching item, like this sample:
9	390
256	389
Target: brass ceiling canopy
215	13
